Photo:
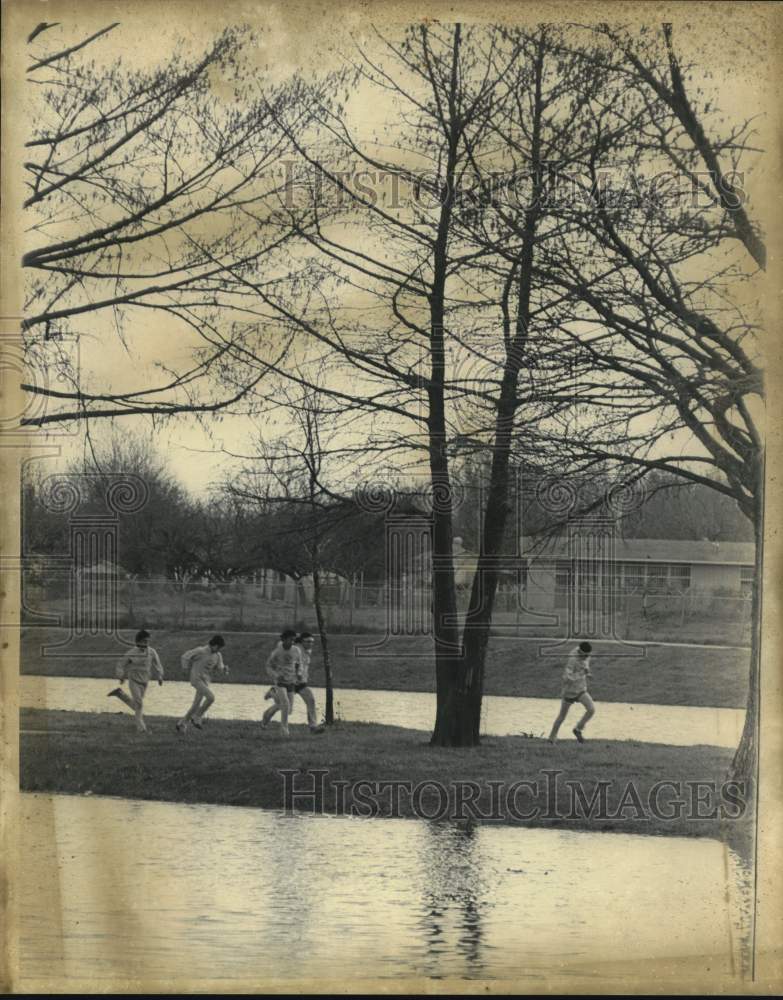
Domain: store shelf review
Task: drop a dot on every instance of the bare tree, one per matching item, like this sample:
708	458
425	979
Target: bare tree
694	153
667	357
456	312
290	474
459	311
146	188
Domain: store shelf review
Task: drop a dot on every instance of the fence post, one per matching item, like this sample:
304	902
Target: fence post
242	605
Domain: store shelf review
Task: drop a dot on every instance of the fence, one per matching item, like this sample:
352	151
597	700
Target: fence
692	616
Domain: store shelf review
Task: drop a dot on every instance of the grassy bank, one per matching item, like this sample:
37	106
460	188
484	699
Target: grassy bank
236	763
661	676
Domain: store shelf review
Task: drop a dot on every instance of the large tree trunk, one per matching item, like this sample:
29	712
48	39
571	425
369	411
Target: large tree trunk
478	620
743	767
485	584
458	721
450	728
455	721
451	720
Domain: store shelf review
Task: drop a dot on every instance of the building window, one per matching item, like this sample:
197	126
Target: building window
562	582
586	574
747	576
633	577
562	574
657	575
680	577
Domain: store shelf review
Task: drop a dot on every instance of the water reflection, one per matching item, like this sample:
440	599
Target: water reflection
676	725
121	892
453	896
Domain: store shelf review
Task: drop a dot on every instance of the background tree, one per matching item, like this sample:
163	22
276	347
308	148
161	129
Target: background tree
668	359
151	539
433	277
592	334
677	509
146	188
288	474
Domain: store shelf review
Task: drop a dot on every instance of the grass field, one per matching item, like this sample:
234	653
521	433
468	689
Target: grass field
516	667
236	763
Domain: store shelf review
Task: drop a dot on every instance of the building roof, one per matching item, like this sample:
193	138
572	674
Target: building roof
658	550
668	550
104	568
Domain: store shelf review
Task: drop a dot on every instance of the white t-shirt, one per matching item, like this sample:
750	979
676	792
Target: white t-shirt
284	665
201	661
575	674
304	670
140	664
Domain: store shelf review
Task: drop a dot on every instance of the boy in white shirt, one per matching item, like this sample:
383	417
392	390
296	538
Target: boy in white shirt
305	642
200	662
577	670
138	666
283	665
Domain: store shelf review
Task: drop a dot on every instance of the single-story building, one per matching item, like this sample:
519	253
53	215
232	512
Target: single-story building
633	566
592	559
103	570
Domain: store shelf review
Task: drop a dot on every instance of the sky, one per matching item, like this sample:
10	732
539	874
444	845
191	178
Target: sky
298	38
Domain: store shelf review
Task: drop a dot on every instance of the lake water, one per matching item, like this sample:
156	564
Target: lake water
672	724
122	893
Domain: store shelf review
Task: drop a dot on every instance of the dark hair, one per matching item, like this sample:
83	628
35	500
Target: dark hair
142	634
304	635
217	640
287	633
585	647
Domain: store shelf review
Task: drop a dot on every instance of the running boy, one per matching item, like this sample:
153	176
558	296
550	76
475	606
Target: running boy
305	642
138	666
200	662
577	670
283	666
